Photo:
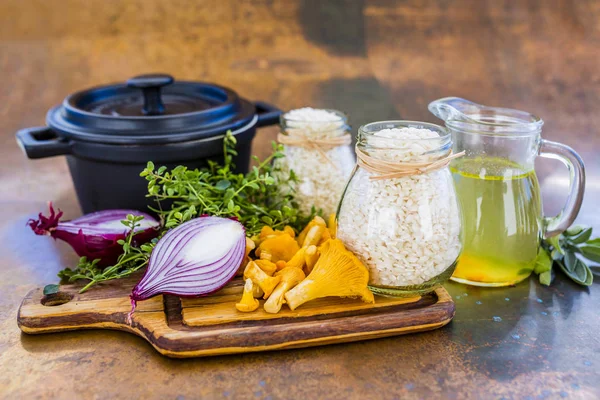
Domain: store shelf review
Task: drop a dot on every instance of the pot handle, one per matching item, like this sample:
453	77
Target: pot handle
41	142
267	113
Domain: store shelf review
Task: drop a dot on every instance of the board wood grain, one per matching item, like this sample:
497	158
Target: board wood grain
212	326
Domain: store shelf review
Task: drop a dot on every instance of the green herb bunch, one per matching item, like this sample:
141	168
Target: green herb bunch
255	199
568	251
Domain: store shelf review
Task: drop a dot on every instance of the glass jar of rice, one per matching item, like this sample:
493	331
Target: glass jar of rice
399	213
317	150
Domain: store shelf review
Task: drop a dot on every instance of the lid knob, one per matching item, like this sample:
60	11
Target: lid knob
150	85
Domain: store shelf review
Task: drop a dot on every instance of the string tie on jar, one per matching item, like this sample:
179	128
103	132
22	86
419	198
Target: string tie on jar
320	145
382	169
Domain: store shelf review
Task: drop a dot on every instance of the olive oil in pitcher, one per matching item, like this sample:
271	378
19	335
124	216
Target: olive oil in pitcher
501	221
499	193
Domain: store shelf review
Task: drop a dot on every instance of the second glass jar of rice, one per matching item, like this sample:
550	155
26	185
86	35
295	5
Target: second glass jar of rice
317	150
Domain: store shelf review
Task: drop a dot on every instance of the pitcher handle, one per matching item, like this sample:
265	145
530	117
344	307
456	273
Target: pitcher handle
574	163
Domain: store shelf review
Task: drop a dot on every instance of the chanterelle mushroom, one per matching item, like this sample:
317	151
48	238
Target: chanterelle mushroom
267	266
279	246
315	221
337	273
267	283
311	256
248	302
290	277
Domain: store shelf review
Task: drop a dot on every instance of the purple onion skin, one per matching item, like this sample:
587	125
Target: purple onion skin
87	239
236	258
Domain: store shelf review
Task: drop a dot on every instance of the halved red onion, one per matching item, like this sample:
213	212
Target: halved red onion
95	235
196	258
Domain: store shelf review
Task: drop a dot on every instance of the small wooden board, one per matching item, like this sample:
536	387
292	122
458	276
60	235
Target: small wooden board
211	325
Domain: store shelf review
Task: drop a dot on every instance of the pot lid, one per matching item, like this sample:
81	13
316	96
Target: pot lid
151	109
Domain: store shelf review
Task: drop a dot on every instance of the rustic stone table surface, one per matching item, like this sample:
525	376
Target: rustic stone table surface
374	59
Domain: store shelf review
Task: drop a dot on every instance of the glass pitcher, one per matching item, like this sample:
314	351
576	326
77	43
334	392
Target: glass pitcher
498	189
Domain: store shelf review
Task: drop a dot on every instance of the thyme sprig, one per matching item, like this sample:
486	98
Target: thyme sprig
253	198
133	259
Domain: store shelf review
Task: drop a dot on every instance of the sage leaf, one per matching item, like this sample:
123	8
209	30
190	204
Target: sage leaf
568	246
51	289
576	269
590	252
555	242
590	276
582	236
556	255
593	242
575	230
546	278
543	262
565	250
570	261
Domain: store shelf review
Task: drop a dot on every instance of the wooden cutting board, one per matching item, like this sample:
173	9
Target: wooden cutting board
211	325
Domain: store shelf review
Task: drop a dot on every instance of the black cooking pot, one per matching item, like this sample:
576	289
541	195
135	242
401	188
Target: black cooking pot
109	133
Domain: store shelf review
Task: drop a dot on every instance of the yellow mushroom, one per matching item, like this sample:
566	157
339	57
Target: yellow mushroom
325	236
314	235
248	302
267	266
256	290
337	273
258	276
311	255
315	221
290	277
280	265
250	245
298	260
279	247
265	231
